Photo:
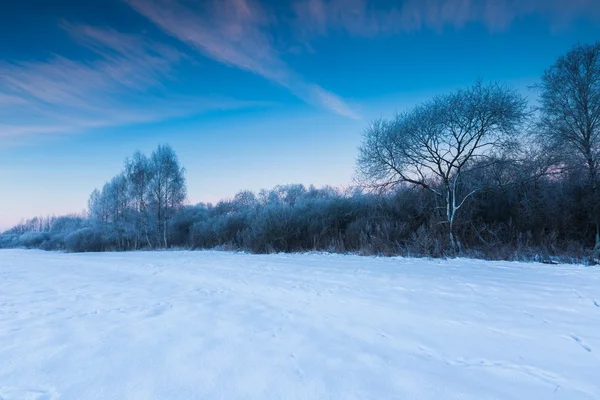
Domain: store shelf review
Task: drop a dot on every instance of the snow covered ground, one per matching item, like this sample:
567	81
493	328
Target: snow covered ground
213	325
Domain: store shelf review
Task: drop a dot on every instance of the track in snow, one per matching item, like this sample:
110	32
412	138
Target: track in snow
213	325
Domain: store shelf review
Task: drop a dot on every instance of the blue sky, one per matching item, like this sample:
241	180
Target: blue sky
250	93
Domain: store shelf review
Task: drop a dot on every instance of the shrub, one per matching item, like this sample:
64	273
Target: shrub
84	240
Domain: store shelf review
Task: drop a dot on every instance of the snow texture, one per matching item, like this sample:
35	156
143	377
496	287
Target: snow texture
216	325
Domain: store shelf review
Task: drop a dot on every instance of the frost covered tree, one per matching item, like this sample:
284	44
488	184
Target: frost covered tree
136	206
139	177
167	190
245	200
109	211
438	143
570	117
99	209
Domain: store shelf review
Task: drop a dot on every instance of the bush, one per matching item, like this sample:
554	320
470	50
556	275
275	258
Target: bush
9	241
84	240
33	240
495	225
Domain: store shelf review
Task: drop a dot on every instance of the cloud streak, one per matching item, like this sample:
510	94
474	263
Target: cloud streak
237	33
372	18
120	83
129	78
243	33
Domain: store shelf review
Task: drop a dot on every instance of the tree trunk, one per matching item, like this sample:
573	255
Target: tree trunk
454	241
148	239
158	227
165	231
450	214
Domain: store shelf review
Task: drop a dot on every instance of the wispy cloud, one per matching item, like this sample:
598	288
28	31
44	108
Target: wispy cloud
237	33
121	82
371	18
127	78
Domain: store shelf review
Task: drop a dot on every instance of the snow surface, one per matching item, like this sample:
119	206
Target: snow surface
215	325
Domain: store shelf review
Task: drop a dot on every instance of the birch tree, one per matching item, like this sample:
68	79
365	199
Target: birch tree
110	211
167	189
139	176
438	143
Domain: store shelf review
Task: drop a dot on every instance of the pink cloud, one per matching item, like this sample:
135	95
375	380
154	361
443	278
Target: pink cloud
236	33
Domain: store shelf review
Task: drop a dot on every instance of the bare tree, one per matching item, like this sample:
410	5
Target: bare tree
245	200
139	177
167	189
438	143
570	116
109	210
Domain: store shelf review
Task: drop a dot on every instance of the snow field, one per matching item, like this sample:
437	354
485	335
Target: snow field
216	325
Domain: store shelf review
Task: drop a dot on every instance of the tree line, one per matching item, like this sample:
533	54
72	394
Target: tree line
478	172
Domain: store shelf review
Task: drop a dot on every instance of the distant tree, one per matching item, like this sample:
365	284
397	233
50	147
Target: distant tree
245	200
109	211
290	194
439	142
121	210
99	209
570	117
139	176
167	189
67	223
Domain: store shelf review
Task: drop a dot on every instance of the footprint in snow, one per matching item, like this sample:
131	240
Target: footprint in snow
597	304
26	394
581	343
157	310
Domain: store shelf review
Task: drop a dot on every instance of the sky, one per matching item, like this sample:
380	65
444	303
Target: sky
249	93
